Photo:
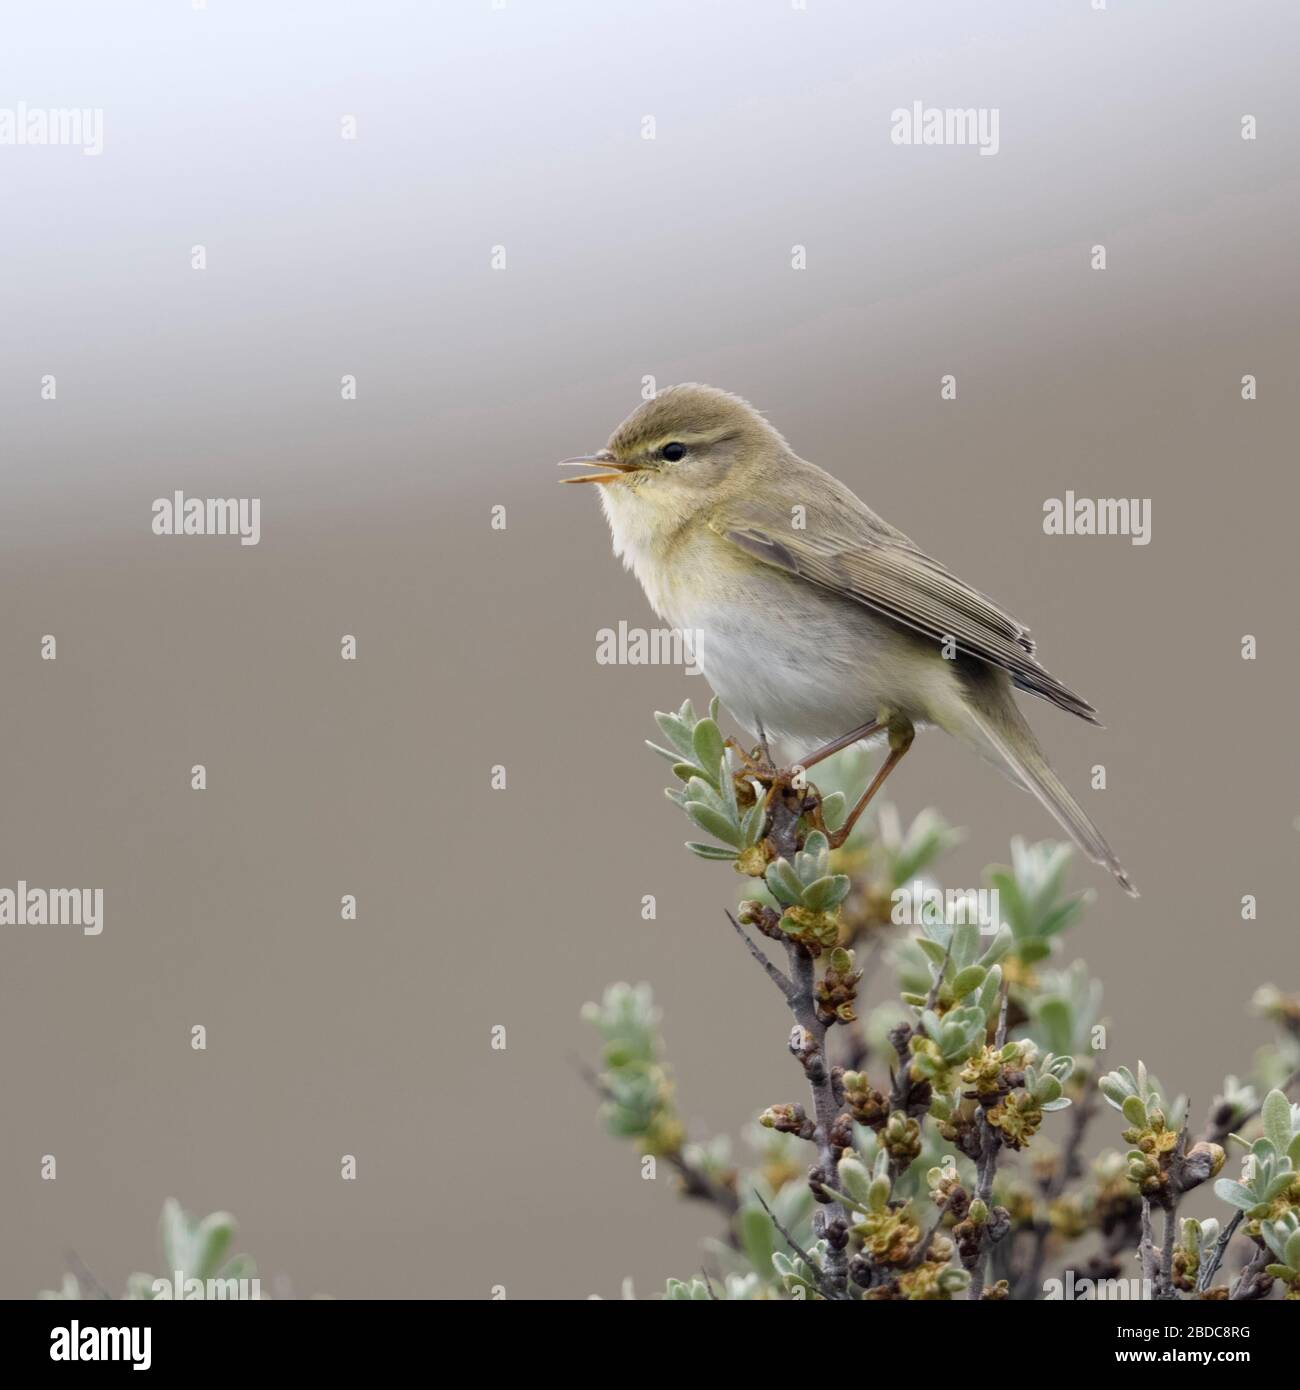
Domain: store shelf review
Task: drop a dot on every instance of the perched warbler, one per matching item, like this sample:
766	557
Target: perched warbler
817	621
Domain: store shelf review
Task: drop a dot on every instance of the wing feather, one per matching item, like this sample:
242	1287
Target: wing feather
869	562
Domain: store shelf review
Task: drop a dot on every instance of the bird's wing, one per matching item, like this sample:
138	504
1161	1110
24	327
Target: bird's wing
852	552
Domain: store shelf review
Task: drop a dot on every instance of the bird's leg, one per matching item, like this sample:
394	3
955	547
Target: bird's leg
759	760
762	743
852	737
901	734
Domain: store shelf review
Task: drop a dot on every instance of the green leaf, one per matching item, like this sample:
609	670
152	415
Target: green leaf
677	733
727	791
1234	1194
1113	1090
834	809
1276	1115
757	1236
714	822
937	953
965	944
707	742
1135	1111
1056	1018
663	752
710	851
825	893
786	888
211	1241
966	980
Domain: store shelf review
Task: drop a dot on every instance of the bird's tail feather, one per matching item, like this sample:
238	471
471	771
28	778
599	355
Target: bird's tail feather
999	727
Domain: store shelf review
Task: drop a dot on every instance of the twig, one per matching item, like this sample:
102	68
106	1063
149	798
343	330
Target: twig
773	974
1211	1266
918	1254
1166	1289
1247	1285
932	998
1217	1133
694	1182
83	1273
1146	1248
818	1275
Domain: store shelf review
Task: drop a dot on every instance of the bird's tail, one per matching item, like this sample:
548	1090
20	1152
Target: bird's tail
993	723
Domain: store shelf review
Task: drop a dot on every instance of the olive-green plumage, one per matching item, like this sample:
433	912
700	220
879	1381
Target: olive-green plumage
814	616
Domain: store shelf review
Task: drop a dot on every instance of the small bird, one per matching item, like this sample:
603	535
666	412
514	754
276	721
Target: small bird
816	620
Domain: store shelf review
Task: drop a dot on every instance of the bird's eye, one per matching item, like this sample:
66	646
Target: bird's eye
673	452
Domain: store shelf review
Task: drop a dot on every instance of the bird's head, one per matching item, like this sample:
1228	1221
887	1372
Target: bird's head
676	451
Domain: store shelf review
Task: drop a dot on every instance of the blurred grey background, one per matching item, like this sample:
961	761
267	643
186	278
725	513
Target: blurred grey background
520	127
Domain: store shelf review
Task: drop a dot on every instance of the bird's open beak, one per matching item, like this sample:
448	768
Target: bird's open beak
611	469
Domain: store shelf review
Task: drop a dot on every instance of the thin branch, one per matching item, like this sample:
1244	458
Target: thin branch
818	1275
695	1183
1146	1248
1167	1290
1247	1285
1218	1133
932	998
1211	1266
773	974
85	1276
918	1254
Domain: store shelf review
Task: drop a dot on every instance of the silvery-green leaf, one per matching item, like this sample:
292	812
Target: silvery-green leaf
1276	1115
1234	1194
757	1235
665	753
707	742
826	893
990	995
727	790
211	1240
710	851
932	949
1047	1089
997	948
175	1234
697	789
677	733
714	822
1060	1104
786	888
834	809
1134	1110
966	980
965	944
